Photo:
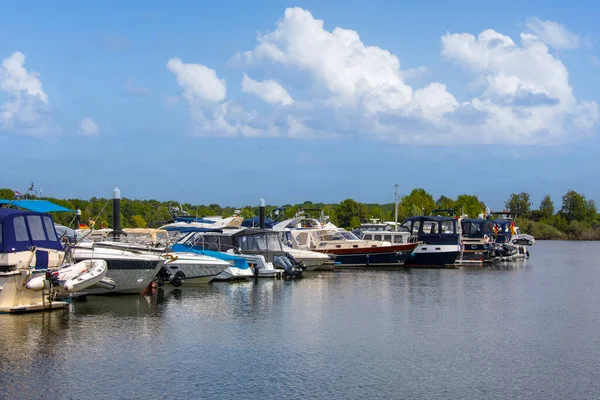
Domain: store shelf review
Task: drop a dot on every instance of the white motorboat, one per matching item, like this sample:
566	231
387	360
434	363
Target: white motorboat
131	271
261	248
180	266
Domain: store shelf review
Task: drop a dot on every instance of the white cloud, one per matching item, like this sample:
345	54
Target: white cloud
212	114
198	82
346	71
519	92
553	33
526	96
26	100
268	90
88	127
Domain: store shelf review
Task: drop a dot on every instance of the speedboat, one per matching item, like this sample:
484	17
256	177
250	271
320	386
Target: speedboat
131	271
262	250
188	240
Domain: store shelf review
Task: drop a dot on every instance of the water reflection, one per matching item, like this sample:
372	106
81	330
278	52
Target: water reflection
529	330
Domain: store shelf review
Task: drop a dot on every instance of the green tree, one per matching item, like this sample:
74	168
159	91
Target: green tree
444	203
519	203
418	198
547	207
7	194
345	212
247	212
575	207
137	221
469	204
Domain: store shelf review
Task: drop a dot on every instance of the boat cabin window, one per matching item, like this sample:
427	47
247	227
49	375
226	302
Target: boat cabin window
20	229
397	239
367	237
406	225
387	238
448	227
415	227
430	228
377	237
49	226
36	228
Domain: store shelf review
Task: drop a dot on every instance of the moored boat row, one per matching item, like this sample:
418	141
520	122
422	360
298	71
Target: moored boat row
39	269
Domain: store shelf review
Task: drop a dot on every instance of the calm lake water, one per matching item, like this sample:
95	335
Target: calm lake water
522	331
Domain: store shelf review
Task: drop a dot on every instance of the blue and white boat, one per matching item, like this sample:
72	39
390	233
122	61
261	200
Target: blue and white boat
440	242
190	239
28	246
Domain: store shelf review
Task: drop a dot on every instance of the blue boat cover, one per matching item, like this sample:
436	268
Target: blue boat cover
22	230
42	206
254	222
239	262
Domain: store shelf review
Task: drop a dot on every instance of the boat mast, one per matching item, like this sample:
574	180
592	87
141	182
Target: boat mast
396	208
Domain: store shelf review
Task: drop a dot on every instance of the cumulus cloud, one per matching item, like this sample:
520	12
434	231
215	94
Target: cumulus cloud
23	112
346	71
212	114
268	90
198	82
87	127
525	91
521	91
553	33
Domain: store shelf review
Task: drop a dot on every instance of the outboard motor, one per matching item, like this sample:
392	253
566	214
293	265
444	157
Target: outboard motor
290	270
164	275
177	279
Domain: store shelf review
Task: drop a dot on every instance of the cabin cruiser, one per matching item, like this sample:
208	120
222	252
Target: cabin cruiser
261	248
185	240
477	241
309	234
32	274
384	231
439	237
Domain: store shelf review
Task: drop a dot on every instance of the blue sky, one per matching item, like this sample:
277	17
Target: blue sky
229	102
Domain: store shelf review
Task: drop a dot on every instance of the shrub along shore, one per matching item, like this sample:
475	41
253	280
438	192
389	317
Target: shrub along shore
576	219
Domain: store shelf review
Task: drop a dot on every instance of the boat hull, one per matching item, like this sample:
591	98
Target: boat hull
233	273
433	256
130	276
16	298
196	273
371	256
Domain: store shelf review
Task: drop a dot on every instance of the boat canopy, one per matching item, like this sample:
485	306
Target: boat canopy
476	228
255	222
23	230
42	206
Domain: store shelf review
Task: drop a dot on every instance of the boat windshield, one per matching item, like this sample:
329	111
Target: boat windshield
349	235
259	242
335	235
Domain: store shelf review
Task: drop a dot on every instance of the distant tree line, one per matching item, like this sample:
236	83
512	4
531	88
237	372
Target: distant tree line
576	219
